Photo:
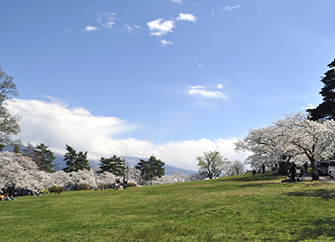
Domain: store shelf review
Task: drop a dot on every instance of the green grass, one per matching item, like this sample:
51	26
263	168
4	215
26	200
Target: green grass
240	208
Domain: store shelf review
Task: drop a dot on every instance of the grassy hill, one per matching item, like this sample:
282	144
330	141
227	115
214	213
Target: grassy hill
239	208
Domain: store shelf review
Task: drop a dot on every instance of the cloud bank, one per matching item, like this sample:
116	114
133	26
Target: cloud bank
56	124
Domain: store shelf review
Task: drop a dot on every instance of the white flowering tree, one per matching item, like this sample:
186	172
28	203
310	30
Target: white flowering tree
20	172
294	137
314	139
265	145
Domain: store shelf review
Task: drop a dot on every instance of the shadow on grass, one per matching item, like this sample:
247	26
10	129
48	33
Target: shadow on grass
325	194
319	228
258	177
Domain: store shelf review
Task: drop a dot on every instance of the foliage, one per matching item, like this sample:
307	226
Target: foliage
131	184
22	173
115	165
236	208
9	124
56	189
210	166
44	158
16	149
234	168
151	169
74	161
83	186
326	109
294	138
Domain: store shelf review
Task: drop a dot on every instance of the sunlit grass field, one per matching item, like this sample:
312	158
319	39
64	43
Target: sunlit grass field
239	208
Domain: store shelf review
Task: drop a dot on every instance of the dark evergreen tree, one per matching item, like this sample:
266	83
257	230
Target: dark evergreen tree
44	158
70	158
151	168
326	109
74	161
82	161
115	165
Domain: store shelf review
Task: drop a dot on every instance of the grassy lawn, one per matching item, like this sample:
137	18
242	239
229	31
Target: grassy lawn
240	208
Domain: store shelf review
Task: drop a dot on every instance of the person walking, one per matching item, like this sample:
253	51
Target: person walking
293	171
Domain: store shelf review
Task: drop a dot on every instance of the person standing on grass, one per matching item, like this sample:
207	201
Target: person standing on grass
125	183
263	169
253	172
115	184
293	171
305	166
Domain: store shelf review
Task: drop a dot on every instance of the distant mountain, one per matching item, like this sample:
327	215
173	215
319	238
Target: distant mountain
130	160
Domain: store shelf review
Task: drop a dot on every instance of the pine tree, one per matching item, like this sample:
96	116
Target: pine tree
44	158
151	168
114	165
326	109
74	161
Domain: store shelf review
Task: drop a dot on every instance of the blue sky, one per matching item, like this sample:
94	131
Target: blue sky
162	77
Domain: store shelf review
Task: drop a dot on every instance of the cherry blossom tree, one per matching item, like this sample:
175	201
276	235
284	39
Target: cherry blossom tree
20	172
295	138
314	139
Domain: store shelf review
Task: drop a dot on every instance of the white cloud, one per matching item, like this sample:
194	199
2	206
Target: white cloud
91	28
166	42
131	29
55	124
106	19
207	94
187	17
201	65
160	26
310	106
231	8
207	91
178	1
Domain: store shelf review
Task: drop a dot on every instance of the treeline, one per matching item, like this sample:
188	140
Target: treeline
78	161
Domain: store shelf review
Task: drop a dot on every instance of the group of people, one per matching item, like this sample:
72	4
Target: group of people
292	171
6	198
254	170
118	185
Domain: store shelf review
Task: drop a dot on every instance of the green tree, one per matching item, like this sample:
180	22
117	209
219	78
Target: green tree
44	158
16	149
82	161
151	169
211	164
326	109
115	165
74	161
9	124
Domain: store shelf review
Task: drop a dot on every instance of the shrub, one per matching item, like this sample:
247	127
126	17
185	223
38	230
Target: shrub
130	184
57	189
83	186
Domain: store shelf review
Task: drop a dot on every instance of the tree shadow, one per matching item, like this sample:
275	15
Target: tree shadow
325	194
320	227
257	177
